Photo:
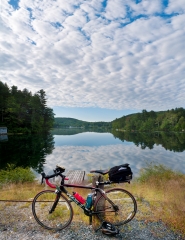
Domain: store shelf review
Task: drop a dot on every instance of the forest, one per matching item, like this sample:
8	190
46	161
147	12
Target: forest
62	122
170	120
24	112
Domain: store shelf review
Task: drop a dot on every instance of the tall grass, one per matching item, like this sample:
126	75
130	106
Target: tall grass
164	190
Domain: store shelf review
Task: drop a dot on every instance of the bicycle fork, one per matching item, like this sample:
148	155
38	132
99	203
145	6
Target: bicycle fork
55	202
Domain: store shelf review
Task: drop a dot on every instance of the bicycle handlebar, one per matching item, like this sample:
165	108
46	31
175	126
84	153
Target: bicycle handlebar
44	176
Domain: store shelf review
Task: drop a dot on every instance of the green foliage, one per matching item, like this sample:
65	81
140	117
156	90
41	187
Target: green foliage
22	112
75	123
16	175
171	120
157	172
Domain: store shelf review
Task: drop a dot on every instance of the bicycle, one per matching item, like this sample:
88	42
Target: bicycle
52	209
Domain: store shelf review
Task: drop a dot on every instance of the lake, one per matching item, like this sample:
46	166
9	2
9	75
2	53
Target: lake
75	149
90	150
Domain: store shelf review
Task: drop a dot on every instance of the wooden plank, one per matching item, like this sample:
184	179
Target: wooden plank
75	176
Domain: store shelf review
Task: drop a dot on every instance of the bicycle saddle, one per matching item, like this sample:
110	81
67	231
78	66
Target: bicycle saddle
103	172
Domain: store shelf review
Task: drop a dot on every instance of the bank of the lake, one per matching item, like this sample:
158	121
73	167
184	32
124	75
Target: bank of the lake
159	192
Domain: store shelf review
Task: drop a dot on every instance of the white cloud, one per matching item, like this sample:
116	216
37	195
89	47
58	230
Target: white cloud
82	53
146	7
115	9
176	7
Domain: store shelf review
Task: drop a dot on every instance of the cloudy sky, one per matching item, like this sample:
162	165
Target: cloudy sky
96	59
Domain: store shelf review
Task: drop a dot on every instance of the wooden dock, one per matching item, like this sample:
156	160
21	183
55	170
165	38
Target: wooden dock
75	177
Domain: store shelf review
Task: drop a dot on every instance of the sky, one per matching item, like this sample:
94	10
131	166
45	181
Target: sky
97	60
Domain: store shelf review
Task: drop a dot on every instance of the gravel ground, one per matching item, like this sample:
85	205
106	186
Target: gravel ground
17	222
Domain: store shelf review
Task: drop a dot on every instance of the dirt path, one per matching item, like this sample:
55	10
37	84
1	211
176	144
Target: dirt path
17	222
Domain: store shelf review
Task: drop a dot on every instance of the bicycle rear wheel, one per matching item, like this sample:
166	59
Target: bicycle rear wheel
60	218
126	207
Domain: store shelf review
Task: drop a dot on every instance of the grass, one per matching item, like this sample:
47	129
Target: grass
18	184
20	191
159	192
163	190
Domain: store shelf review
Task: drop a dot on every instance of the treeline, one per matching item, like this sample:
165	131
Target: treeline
75	123
22	111
170	120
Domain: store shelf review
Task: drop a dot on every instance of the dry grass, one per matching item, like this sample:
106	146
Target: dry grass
161	198
20	191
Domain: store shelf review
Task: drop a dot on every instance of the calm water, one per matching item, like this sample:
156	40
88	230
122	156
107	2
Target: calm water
90	150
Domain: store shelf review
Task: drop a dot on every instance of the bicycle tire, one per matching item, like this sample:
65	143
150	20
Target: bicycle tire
60	218
124	200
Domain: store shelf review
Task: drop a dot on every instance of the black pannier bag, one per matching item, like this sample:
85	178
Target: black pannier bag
121	173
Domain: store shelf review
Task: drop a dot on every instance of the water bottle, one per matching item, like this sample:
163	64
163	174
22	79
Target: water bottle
89	201
78	197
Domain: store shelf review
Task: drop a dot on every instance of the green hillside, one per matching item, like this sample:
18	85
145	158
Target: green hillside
170	120
60	122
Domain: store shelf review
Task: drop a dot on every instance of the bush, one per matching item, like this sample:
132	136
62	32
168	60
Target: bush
16	175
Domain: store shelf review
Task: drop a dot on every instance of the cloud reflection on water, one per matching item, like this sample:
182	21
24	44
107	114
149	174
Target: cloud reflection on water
103	157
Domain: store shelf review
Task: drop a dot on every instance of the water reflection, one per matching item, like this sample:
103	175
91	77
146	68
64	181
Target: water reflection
90	150
26	151
170	141
86	152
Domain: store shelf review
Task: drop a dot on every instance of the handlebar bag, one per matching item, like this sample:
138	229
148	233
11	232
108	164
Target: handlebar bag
121	173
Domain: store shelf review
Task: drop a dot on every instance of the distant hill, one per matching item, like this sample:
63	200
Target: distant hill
62	122
170	120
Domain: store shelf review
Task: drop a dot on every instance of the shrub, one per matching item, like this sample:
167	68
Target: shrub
14	174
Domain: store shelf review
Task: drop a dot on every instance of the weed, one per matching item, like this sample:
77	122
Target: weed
26	205
15	229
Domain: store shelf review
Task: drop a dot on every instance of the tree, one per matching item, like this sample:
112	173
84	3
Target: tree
4	94
181	124
47	113
21	111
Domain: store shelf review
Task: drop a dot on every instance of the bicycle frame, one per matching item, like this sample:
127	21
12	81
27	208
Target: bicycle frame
61	189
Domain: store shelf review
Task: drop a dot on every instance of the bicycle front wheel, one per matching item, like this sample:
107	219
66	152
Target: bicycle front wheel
122	211
59	218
